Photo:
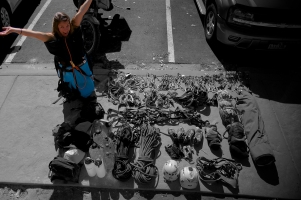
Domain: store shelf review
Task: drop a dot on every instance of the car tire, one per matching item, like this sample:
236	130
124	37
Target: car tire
210	24
5	15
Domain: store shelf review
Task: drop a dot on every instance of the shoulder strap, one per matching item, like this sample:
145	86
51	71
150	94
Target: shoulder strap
75	67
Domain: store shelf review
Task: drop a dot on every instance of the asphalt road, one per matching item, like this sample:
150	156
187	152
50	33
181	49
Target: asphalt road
149	41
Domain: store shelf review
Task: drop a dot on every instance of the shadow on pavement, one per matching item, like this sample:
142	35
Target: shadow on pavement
19	20
233	58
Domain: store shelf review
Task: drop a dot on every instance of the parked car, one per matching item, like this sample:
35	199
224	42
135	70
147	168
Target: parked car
253	24
7	8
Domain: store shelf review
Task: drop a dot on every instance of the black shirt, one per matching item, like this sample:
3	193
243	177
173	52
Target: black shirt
75	44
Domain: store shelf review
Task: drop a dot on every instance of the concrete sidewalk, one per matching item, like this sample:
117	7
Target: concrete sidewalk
27	117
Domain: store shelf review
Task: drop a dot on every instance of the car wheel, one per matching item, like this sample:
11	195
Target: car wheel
210	23
5	15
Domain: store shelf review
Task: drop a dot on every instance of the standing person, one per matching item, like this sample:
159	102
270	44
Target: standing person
66	44
73	67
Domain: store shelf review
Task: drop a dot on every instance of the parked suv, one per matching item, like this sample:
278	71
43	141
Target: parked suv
7	8
253	24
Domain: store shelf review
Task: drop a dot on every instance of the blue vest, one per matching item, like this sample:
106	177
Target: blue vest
84	83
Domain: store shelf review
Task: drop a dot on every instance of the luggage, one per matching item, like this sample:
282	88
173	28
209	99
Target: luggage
64	169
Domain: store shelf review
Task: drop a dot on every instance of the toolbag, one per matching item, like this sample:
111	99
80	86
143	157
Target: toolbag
64	169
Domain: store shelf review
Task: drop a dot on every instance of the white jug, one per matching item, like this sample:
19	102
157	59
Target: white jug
100	168
90	166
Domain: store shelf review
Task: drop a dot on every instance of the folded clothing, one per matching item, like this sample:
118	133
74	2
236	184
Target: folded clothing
75	155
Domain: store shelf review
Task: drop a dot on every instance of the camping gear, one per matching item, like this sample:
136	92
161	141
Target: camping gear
171	170
124	140
91	111
237	140
198	136
189	178
90	166
144	168
258	142
213	137
75	155
218	169
82	138
100	167
174	151
64	169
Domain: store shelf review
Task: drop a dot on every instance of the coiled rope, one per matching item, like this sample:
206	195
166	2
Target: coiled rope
144	168
122	168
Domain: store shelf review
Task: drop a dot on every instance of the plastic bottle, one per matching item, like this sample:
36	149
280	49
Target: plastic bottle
90	166
100	168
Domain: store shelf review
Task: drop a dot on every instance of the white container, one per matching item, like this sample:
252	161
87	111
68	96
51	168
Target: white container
100	167
90	166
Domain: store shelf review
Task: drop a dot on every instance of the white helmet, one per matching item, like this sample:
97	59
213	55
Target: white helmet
171	170
189	178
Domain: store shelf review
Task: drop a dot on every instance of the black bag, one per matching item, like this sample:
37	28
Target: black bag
63	140
91	111
120	28
64	169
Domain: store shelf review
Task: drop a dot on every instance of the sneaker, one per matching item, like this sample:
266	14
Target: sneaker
198	137
213	137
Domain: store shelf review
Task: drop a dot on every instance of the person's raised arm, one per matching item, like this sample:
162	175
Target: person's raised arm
77	19
26	32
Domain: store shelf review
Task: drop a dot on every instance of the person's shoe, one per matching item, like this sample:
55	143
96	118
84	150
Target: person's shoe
173	135
198	137
213	137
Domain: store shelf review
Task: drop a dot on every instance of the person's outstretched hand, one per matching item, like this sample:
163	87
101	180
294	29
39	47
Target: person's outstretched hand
6	31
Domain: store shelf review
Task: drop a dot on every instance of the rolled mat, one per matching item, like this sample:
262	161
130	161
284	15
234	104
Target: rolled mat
259	145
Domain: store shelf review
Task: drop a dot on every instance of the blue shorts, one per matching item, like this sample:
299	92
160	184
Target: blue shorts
84	83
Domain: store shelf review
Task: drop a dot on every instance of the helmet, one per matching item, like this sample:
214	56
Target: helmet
171	170
189	178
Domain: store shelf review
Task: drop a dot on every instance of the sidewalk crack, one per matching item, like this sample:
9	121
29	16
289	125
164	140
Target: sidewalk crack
8	92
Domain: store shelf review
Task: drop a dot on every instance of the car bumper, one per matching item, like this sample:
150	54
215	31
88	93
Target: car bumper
258	40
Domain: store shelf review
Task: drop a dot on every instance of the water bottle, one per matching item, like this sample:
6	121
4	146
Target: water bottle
100	168
90	166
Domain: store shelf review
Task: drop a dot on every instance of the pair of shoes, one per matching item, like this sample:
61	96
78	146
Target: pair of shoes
185	137
95	167
213	137
198	137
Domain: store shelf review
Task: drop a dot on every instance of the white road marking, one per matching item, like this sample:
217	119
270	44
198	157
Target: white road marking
201	6
171	50
33	23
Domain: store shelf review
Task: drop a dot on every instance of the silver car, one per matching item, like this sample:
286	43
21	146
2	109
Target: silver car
7	8
253	24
